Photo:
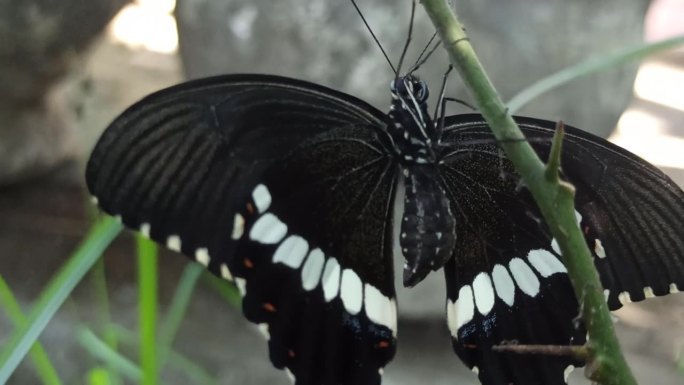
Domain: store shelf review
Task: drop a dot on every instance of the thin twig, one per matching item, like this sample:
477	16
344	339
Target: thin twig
578	352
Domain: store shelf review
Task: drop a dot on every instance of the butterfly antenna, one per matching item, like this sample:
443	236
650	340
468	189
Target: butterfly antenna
420	62
408	38
375	38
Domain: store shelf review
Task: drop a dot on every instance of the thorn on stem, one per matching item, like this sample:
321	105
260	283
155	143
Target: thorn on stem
554	163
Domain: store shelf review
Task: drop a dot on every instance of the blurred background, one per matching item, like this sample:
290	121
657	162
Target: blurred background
68	67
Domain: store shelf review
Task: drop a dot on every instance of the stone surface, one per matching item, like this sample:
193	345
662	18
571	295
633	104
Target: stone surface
40	41
326	42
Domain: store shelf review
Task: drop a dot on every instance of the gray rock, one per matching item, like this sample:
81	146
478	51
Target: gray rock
40	41
326	42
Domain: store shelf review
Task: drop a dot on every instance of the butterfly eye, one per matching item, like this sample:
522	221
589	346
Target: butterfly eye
421	91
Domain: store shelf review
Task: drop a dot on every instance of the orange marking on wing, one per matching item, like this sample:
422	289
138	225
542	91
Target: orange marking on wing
383	344
269	307
248	263
250	208
290	353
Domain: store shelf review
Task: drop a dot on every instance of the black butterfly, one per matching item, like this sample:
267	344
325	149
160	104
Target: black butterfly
287	188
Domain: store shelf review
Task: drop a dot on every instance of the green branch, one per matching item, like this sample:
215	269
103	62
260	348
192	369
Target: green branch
554	197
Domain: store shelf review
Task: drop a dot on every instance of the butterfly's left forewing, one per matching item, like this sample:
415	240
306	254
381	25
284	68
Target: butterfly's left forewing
284	187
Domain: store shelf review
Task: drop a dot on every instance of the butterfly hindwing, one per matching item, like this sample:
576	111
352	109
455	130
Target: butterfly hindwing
284	187
507	283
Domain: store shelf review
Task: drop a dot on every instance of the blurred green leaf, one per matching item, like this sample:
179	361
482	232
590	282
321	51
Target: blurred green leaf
588	67
46	371
57	290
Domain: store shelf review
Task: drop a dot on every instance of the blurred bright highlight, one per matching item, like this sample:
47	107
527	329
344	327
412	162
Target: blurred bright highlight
147	24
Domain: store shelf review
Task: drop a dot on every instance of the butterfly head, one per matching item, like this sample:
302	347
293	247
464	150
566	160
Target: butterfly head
409	122
409	88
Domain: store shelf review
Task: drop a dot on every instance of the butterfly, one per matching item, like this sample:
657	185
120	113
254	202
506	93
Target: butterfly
287	189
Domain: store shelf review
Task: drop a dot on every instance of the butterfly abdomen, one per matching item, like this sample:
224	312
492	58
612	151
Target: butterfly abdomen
427	228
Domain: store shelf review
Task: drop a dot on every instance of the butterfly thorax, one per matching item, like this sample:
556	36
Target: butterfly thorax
427	229
412	130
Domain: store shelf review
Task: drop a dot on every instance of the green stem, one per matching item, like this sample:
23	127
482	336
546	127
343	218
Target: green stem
554	197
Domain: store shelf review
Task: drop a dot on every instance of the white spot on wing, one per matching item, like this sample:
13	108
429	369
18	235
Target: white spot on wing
503	283
598	249
268	229
567	371
291	252
202	256
145	229
451	318
238	227
379	308
262	198
484	293
624	298
475	370
462	310
94	200
555	246
648	292
173	242
331	279
524	277
351	291
311	272
290	375
673	288
578	217
263	329
241	285
545	263
225	272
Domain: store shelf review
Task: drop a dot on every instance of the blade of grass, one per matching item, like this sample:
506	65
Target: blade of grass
98	348
176	311
147	309
100	376
46	371
226	290
195	373
99	282
57	290
588	67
